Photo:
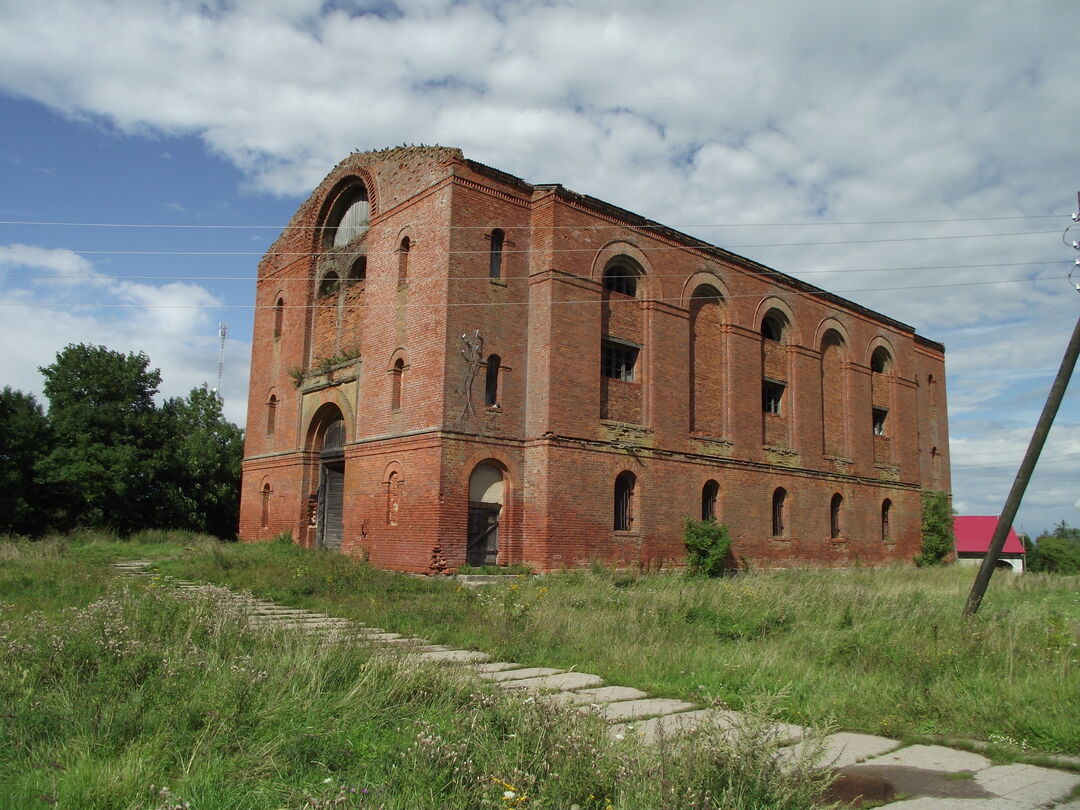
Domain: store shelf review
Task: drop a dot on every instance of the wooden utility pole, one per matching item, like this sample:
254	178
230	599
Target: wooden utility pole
1023	475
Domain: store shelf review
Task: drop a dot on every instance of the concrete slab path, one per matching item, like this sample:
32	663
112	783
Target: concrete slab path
929	777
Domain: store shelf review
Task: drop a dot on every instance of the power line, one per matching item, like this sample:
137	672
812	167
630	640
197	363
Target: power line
526	302
485	251
249	278
283	228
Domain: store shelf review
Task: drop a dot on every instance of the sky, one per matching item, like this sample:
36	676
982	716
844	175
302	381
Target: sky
919	158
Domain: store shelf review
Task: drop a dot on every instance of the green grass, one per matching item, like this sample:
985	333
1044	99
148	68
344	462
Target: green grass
883	650
122	693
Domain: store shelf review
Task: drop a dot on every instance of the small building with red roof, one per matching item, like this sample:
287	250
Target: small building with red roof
973	536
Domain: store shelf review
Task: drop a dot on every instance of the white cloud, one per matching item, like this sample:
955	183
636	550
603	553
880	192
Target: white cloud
763	113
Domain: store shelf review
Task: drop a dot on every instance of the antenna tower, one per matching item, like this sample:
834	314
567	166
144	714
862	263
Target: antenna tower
223	332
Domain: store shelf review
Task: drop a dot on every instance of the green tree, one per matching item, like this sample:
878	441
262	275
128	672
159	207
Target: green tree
1056	551
202	487
707	547
938	540
24	438
105	462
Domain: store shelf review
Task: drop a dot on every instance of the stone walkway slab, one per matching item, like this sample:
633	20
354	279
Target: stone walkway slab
633	709
938	803
519	674
455	656
553	683
496	666
668	725
603	694
841	749
1028	783
934	758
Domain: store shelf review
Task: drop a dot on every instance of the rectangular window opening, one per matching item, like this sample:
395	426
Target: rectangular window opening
879	421
617	361
772	395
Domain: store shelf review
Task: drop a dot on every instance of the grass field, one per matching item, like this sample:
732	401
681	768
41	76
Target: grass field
877	650
124	694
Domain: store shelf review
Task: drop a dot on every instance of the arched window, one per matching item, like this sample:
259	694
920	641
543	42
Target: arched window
395	384
271	414
495	263
835	506
491	382
403	261
264	520
329	284
621	277
624	501
772	327
708	500
707	361
880	361
886	510
358	270
279	316
778	499
349	218
393	505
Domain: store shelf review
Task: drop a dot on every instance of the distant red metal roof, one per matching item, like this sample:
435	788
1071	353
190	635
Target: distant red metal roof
973	534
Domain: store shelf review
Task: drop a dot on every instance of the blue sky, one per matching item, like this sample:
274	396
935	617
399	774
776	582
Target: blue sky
948	130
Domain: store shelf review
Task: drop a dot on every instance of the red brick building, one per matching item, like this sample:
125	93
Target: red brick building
452	364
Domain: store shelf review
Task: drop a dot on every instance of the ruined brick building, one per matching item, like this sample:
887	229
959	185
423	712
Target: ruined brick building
451	364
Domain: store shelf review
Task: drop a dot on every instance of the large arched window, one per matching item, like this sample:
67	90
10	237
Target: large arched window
709	493
496	255
624	501
350	217
707	361
621	276
778	507
833	400
279	317
329	284
491	381
835	506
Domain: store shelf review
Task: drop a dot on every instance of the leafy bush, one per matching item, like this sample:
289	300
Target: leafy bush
938	541
707	547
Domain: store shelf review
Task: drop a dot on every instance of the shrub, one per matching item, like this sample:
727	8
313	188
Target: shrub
707	546
938	541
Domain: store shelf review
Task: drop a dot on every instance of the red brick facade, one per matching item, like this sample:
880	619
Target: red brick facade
610	344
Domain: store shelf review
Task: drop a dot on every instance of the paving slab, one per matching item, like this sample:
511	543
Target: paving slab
933	758
668	725
840	749
496	666
603	694
553	683
519	674
633	709
938	803
384	636
455	656
1028	783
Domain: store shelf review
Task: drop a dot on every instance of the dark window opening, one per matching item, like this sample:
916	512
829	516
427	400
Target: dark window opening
624	496
495	265
880	360
350	217
772	395
403	261
621	279
617	361
708	500
772	329
279	316
491	382
778	498
395	386
358	271
886	508
834	515
271	414
879	421
329	284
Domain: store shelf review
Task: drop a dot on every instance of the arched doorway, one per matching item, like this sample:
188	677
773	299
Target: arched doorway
331	485
486	489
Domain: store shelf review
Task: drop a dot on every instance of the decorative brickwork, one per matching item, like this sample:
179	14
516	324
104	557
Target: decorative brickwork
622	348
